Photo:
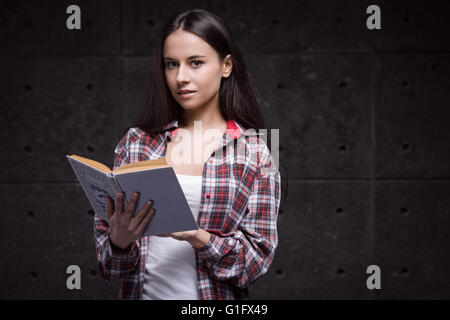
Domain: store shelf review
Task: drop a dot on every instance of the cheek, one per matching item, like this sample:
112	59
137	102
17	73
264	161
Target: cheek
209	82
169	79
172	84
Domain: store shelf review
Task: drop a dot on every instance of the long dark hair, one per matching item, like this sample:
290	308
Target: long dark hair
238	97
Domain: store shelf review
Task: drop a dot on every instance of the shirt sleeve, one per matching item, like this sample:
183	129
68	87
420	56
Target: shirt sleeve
114	263
243	256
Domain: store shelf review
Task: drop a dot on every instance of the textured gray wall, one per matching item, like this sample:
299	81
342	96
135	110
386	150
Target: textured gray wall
364	122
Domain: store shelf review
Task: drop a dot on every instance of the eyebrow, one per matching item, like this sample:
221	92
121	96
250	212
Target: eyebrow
191	57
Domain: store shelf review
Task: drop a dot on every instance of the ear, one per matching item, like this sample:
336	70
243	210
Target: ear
227	66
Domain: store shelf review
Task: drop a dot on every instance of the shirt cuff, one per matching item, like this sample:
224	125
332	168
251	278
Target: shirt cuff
212	250
117	252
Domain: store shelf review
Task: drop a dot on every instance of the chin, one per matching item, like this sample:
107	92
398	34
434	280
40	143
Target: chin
188	106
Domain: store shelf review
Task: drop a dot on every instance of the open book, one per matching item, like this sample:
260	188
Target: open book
153	179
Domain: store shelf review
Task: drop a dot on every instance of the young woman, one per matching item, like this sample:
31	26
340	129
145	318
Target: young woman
235	196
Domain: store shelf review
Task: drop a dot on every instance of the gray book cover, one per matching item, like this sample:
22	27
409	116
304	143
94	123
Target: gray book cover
161	185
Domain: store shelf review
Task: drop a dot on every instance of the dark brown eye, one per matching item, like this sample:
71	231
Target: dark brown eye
200	62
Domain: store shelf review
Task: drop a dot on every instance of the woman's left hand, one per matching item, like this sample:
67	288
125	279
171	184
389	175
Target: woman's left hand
197	238
182	235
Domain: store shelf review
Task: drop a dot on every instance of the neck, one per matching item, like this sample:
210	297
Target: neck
210	117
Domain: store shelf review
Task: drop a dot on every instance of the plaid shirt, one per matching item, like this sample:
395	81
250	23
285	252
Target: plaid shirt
239	208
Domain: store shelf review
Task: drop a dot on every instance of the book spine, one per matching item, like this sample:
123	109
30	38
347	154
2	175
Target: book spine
113	182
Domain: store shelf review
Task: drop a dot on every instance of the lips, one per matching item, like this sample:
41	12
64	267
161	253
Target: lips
185	91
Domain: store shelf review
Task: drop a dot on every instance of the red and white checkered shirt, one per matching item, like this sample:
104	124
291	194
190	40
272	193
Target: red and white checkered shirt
239	208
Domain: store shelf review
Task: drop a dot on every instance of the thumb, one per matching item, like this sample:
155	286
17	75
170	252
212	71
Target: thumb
163	235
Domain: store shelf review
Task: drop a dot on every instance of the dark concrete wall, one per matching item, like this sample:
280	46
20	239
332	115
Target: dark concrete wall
364	134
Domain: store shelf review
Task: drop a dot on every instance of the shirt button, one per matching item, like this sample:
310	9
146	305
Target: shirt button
208	195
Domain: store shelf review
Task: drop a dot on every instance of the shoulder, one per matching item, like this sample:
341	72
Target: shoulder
259	153
135	136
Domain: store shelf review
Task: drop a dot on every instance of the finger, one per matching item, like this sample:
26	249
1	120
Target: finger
109	207
119	202
138	218
131	206
145	221
163	235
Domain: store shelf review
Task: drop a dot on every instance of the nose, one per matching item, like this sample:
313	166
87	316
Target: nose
182	75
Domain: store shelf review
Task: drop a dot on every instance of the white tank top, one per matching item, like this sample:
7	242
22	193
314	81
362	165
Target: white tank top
170	266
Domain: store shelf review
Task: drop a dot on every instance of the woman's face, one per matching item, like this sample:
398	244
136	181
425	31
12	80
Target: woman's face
192	64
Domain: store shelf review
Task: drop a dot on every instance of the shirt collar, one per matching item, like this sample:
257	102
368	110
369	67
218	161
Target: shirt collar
233	130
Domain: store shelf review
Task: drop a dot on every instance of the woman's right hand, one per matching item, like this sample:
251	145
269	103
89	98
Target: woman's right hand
125	229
